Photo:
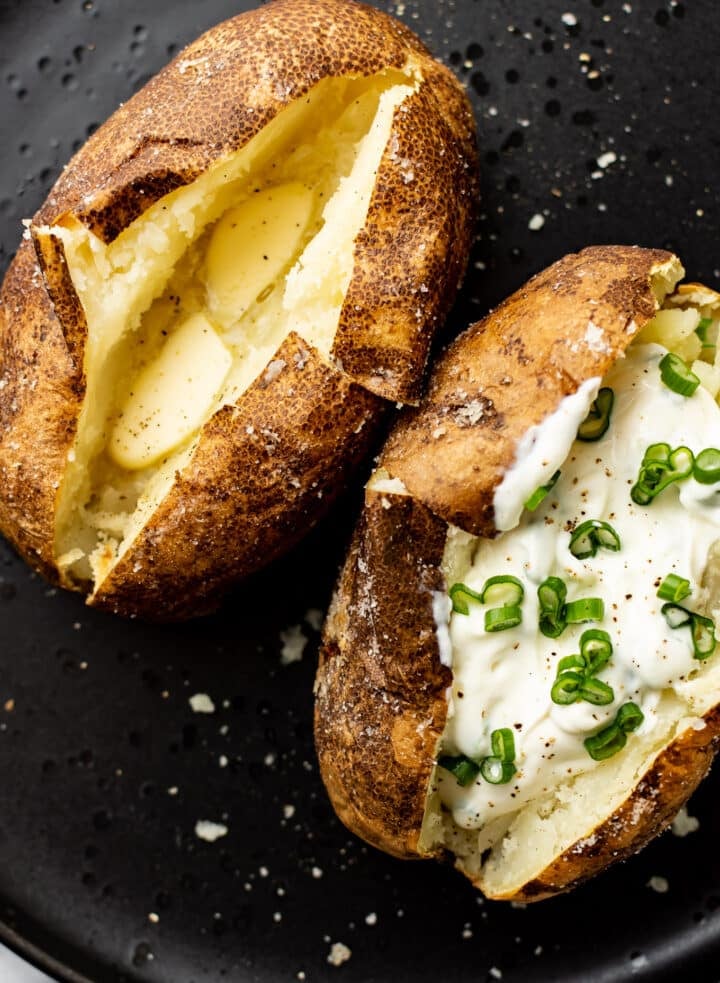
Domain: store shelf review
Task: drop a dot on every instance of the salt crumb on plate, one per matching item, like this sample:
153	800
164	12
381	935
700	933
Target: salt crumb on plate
371	918
536	222
293	645
339	954
659	884
209	831
683	824
201	703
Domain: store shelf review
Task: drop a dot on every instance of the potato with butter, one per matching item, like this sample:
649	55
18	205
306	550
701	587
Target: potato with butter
226	287
520	670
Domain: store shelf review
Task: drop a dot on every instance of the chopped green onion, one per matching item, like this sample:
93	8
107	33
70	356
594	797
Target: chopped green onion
503	744
702	330
460	595
566	688
606	743
589	536
677	375
629	717
597	692
703	636
596	649
702	629
551	595
463	768
585	609
497	772
540	494
706	467
674	588
659	468
502	590
676	616
572	662
613	738
595	424
500	619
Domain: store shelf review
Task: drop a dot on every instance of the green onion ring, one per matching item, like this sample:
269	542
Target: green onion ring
463	768
676	375
596	423
589	536
460	595
497	772
502	591
674	588
706	467
500	619
585	609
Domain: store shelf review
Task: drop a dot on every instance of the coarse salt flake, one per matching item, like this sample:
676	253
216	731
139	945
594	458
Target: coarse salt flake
293	645
659	884
683	824
606	159
209	831
201	703
536	222
339	954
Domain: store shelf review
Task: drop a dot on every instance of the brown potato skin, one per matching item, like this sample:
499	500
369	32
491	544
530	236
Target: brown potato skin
380	704
207	103
509	371
380	661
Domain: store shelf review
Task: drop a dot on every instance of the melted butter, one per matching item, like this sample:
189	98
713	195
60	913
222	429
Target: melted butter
504	679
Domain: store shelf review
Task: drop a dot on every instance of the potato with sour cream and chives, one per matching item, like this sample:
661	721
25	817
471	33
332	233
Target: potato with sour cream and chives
538	698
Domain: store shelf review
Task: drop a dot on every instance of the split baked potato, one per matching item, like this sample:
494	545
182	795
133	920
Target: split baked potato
519	667
224	290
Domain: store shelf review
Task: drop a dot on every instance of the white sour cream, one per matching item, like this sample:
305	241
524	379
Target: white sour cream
504	679
539	454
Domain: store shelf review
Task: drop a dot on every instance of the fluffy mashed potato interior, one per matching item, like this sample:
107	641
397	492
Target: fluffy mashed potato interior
187	307
507	851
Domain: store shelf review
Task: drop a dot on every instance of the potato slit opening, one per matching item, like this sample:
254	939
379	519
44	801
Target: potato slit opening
187	307
510	851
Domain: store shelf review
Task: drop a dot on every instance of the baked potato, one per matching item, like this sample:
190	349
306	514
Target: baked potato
224	290
519	666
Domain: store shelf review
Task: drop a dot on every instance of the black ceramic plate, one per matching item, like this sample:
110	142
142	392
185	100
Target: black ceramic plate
598	123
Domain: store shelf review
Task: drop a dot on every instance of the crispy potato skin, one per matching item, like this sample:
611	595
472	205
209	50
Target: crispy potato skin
509	371
380	666
409	258
663	789
380	690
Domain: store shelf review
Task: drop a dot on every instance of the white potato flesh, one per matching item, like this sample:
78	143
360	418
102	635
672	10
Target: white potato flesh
252	245
171	396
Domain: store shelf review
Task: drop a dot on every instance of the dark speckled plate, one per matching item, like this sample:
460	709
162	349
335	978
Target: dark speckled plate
598	123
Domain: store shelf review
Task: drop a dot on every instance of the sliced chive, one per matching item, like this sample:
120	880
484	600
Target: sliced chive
589	536
596	649
566	688
597	692
500	619
703	636
502	591
606	743
572	662
540	494
497	772
464	769
461	595
503	744
613	738
585	609
551	595
660	467
676	615
674	588
677	375
704	334
629	717
702	629
595	424
706	467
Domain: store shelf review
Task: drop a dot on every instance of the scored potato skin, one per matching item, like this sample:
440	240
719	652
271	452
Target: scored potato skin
378	797
208	530
220	91
509	371
380	689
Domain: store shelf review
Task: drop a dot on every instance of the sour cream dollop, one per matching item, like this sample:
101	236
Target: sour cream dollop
504	679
